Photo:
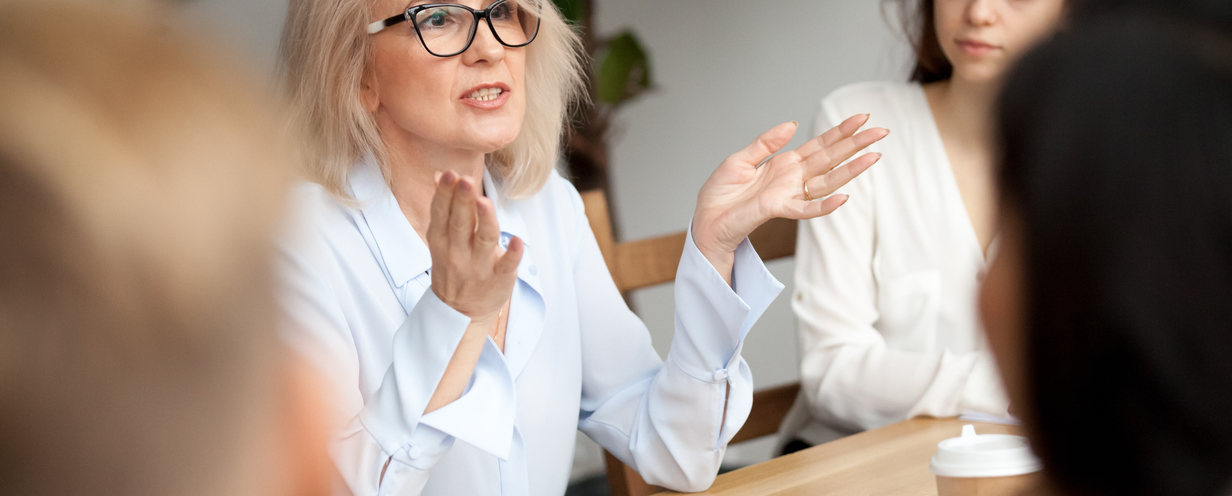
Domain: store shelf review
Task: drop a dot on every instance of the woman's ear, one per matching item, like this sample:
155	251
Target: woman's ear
369	94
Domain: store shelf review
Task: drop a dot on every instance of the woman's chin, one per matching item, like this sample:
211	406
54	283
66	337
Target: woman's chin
493	140
984	72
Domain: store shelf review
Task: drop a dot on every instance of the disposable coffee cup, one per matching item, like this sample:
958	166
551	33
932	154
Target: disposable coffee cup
984	465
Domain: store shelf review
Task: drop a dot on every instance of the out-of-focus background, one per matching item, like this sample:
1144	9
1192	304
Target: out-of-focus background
723	72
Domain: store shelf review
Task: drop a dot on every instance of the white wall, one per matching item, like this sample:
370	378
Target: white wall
726	71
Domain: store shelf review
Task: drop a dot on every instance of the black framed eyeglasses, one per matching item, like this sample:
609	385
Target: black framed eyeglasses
447	29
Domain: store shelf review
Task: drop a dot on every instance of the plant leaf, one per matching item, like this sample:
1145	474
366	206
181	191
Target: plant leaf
572	10
624	69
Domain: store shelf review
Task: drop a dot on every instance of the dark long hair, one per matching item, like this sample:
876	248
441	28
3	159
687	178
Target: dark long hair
919	25
1215	13
1117	157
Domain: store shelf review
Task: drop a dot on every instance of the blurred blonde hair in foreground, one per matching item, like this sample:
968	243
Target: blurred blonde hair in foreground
140	183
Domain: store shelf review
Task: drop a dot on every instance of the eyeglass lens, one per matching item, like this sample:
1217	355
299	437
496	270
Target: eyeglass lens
448	29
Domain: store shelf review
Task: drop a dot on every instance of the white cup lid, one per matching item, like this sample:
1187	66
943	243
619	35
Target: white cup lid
987	455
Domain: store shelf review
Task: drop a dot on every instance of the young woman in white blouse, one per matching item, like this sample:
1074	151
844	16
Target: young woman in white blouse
885	288
447	278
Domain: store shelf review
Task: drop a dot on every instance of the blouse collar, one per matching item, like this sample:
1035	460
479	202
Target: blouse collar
403	252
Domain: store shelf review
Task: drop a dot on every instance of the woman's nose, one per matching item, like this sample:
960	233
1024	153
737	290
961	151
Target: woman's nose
982	12
485	47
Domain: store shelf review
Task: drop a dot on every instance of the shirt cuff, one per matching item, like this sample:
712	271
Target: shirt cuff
983	391
422	347
484	415
713	318
410	465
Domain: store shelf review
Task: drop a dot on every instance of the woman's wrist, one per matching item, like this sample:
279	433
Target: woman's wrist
482	325
720	254
710	237
713	251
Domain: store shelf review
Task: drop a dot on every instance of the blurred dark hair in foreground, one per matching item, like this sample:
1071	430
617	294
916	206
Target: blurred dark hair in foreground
1117	159
1216	13
140	181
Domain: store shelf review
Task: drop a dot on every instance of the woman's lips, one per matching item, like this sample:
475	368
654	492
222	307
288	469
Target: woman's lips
487	98
976	48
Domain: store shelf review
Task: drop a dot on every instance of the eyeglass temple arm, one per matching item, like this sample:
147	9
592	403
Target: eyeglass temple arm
380	25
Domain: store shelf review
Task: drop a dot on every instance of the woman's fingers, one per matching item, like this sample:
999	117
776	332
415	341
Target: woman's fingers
488	233
442	201
801	209
825	184
829	157
833	135
470	274
765	145
462	216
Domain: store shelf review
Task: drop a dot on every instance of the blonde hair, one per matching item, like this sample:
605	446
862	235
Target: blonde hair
140	180
325	50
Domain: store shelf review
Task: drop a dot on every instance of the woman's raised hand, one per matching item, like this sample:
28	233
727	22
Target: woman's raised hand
470	271
742	195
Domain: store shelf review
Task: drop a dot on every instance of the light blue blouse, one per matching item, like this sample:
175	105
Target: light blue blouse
358	302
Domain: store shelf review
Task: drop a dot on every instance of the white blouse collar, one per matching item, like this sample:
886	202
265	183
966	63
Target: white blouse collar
403	252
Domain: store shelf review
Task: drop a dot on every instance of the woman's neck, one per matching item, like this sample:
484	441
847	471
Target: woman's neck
964	114
964	111
413	167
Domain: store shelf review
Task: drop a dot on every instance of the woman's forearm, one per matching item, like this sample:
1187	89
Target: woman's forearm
866	386
461	367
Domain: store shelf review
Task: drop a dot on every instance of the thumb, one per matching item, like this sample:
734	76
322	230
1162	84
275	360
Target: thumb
508	262
767	144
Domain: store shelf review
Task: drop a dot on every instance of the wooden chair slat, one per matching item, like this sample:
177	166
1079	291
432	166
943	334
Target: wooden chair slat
648	262
624	481
775	239
770	406
600	221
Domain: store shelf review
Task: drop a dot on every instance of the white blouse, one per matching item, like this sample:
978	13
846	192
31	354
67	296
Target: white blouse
886	285
358	303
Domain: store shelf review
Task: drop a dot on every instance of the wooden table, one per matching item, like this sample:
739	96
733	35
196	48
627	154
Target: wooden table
892	460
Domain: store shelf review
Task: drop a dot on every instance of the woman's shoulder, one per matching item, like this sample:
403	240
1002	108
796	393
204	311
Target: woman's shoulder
557	207
561	197
892	103
872	92
315	204
316	218
900	107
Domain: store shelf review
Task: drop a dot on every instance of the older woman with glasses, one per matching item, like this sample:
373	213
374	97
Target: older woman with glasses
447	277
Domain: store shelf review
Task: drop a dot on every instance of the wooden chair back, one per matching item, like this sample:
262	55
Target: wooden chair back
643	263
